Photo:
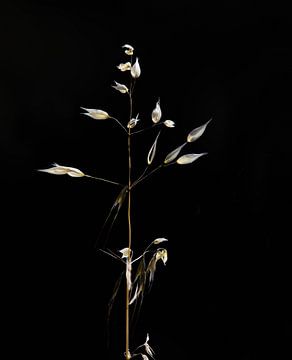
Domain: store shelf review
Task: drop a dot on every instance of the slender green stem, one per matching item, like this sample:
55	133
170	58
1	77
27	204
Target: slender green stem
105	180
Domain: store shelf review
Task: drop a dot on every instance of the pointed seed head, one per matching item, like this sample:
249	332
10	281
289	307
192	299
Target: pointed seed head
135	69
156	113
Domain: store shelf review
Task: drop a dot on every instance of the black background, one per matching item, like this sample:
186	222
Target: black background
225	292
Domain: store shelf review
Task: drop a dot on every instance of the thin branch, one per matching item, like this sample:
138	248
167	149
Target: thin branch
146	176
132	85
111	302
145	129
171	163
105	180
143	173
121	125
139	257
138	354
117	207
112	254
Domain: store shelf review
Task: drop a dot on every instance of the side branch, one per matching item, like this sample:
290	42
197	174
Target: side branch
145	129
140	179
104	180
119	123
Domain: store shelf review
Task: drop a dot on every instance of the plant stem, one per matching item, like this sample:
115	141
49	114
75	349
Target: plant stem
120	124
127	353
105	180
145	129
141	176
146	176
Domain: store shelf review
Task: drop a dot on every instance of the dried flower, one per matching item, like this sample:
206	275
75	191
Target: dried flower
120	87
162	254
126	252
129	49
63	170
135	69
133	122
169	123
173	154
144	357
189	158
152	151
197	132
159	240
156	113
96	114
129	355
124	67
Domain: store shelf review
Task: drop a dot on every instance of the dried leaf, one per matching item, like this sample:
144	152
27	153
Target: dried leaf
114	295
139	292
96	114
189	158
140	281
120	87
151	268
63	170
148	348
126	253
136	294
124	66
173	154
152	151
140	270
129	274
197	132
